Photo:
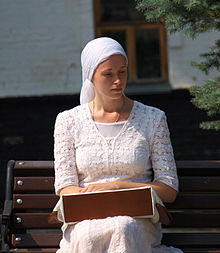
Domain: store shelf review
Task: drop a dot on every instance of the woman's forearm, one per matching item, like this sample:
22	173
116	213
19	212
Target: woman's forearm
164	191
69	189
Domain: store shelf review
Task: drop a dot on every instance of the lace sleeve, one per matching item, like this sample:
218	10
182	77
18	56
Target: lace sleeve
64	153
162	157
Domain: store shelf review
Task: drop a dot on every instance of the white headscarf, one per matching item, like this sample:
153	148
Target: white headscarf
95	52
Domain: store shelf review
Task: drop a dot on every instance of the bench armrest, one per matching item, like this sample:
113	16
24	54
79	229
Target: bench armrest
5	217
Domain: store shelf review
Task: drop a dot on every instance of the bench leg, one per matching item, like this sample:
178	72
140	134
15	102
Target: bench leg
4	239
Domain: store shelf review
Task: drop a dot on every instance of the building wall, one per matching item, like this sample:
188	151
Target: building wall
40	45
181	51
41	41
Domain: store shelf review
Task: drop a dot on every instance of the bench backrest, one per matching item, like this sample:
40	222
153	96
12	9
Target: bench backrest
196	211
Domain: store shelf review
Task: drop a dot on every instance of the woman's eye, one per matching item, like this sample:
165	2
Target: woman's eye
122	72
108	74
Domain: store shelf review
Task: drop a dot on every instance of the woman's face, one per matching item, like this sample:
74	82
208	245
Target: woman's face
110	77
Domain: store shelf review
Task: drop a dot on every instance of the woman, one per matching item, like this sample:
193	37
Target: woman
111	142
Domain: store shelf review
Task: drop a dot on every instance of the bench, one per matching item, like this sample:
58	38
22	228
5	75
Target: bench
30	198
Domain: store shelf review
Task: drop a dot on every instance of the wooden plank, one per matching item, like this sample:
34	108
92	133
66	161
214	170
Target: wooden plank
195	220
97	14
177	239
163	53
202	184
131	53
180	220
182	164
34	168
187	183
187	168
53	250
36	240
201	250
189	164
34	250
34	164
32	220
35	201
192	239
33	184
198	168
196	201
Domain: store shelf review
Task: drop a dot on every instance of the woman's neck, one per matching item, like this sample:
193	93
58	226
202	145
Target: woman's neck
108	105
111	111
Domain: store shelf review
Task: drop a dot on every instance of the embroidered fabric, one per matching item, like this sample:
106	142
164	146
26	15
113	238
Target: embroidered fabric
83	156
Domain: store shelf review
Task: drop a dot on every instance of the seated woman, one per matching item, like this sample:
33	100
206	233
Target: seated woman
111	142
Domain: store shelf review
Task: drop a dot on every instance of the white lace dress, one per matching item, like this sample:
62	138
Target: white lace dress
83	156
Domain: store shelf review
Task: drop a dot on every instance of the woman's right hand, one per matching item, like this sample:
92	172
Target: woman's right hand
69	189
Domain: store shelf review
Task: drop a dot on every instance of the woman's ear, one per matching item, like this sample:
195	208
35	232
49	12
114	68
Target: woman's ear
92	79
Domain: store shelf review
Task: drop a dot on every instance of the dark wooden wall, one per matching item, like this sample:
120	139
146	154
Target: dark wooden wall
26	127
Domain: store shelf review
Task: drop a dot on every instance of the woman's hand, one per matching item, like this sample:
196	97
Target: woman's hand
69	189
165	192
100	187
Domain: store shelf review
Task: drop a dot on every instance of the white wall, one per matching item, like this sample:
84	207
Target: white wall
40	45
181	51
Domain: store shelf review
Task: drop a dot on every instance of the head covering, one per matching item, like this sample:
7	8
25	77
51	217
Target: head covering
95	52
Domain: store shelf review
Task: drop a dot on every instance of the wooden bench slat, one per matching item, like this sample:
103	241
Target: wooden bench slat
201	184
180	220
187	168
196	200
34	250
34	164
35	201
184	200
189	164
33	220
187	183
33	184
36	240
201	250
177	239
195	220
192	239
195	172
34	168
198	168
183	164
53	250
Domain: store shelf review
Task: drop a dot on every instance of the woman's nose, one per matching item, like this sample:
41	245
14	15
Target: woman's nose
117	80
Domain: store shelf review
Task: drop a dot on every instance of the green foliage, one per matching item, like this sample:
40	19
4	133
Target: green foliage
212	59
193	17
211	125
207	97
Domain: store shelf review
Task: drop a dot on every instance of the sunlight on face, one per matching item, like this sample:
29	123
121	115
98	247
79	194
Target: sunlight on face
110	77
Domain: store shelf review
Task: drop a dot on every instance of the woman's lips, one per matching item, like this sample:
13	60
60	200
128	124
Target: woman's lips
117	89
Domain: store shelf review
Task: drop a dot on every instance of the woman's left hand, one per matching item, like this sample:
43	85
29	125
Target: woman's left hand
100	187
166	193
